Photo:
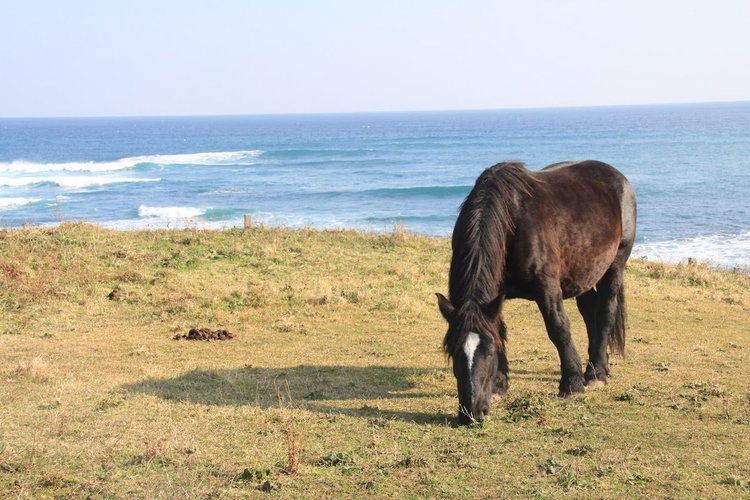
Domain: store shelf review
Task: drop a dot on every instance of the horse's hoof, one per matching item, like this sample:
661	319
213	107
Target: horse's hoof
595	384
571	391
571	386
569	395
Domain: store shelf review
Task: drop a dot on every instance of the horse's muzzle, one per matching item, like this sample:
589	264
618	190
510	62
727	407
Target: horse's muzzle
475	417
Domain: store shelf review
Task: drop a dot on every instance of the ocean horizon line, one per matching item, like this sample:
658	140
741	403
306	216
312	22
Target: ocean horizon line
381	112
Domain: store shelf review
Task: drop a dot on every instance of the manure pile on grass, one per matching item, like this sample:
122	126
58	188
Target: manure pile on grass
204	334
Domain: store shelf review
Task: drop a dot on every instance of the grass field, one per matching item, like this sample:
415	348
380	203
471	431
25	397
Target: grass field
334	384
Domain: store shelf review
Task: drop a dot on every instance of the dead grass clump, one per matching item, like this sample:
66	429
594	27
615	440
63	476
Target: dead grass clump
12	273
323	294
155	452
293	441
40	265
287	323
259	294
351	296
133	276
35	369
399	235
400	231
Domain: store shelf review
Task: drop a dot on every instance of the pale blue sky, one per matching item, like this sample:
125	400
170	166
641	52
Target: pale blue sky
159	57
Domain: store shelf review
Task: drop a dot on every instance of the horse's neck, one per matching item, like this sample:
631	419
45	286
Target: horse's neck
481	280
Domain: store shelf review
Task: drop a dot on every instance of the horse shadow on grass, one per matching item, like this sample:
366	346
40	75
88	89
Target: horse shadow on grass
313	388
545	376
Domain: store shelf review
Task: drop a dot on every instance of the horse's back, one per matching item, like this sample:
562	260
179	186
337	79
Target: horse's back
602	177
610	182
573	227
585	171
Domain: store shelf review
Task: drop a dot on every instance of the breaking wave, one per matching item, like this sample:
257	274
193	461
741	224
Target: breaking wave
10	203
208	158
170	212
73	182
714	249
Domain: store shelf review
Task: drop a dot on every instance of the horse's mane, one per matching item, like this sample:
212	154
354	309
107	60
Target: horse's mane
485	221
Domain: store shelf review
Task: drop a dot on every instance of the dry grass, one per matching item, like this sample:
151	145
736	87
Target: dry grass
334	383
35	369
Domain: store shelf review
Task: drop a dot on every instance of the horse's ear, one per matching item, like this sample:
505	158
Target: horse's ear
446	308
492	308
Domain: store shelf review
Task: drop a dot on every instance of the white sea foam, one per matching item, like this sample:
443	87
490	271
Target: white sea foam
26	167
10	203
170	212
208	158
161	223
215	158
72	182
731	250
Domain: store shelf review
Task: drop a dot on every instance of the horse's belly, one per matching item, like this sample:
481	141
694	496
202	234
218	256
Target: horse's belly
572	288
580	276
576	273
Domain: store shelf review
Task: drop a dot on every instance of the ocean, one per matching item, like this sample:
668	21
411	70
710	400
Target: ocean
689	165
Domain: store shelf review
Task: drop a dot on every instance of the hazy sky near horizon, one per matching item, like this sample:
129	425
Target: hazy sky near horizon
190	57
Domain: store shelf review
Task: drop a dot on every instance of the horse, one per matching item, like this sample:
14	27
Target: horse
562	232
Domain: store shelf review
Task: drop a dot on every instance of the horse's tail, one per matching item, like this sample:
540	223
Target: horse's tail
617	335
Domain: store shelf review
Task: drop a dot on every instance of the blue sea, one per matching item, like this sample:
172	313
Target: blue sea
689	165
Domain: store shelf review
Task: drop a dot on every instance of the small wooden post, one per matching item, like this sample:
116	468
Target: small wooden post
248	221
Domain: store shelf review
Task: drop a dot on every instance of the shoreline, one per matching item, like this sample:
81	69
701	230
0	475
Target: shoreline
640	250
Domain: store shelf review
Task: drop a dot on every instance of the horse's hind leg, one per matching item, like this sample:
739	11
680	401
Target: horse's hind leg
588	305
606	313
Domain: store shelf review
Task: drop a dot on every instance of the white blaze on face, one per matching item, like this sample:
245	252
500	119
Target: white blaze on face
472	341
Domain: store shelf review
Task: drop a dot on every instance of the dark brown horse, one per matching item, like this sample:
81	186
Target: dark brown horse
565	231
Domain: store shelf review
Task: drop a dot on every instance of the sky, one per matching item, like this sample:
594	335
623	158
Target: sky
190	57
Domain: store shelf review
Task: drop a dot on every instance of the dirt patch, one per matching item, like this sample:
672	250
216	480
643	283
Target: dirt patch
204	334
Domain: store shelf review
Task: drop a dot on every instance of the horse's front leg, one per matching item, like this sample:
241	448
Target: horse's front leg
501	381
558	329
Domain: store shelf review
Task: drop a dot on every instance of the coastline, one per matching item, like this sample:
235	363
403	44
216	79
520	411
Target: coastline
364	171
684	252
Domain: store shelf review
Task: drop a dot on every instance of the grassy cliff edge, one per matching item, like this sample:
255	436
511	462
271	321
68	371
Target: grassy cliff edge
334	383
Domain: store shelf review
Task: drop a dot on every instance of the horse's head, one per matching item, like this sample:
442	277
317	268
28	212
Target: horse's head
473	343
